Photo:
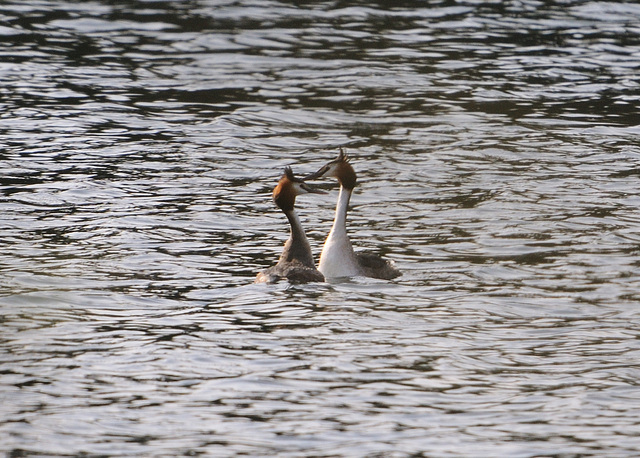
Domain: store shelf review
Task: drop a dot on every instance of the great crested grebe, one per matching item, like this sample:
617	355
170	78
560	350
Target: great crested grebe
338	258
296	262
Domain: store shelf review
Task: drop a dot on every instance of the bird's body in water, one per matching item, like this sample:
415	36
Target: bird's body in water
338	258
296	262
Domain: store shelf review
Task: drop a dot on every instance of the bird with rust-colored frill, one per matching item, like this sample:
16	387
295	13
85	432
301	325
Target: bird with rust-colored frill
296	263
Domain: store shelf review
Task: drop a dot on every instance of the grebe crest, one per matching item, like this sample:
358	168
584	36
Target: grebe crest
339	168
288	188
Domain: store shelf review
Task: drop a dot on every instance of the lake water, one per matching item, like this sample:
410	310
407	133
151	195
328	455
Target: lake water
497	146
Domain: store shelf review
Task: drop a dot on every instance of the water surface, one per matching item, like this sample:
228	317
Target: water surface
497	150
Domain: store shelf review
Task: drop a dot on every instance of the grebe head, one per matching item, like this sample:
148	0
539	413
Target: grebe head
338	168
289	186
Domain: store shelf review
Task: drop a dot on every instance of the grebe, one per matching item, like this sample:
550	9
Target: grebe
338	258
296	262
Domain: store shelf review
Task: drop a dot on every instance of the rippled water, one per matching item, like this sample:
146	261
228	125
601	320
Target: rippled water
498	152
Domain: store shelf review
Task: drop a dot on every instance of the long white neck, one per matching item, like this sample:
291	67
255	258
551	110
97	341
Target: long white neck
297	246
342	207
337	258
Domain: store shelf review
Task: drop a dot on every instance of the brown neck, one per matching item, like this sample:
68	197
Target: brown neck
297	247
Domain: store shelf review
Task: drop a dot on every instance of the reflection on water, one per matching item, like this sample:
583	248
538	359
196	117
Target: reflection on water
497	152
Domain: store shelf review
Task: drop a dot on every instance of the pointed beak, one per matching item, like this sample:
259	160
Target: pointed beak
313	176
311	189
322	171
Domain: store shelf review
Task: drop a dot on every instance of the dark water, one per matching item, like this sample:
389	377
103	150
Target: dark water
498	152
